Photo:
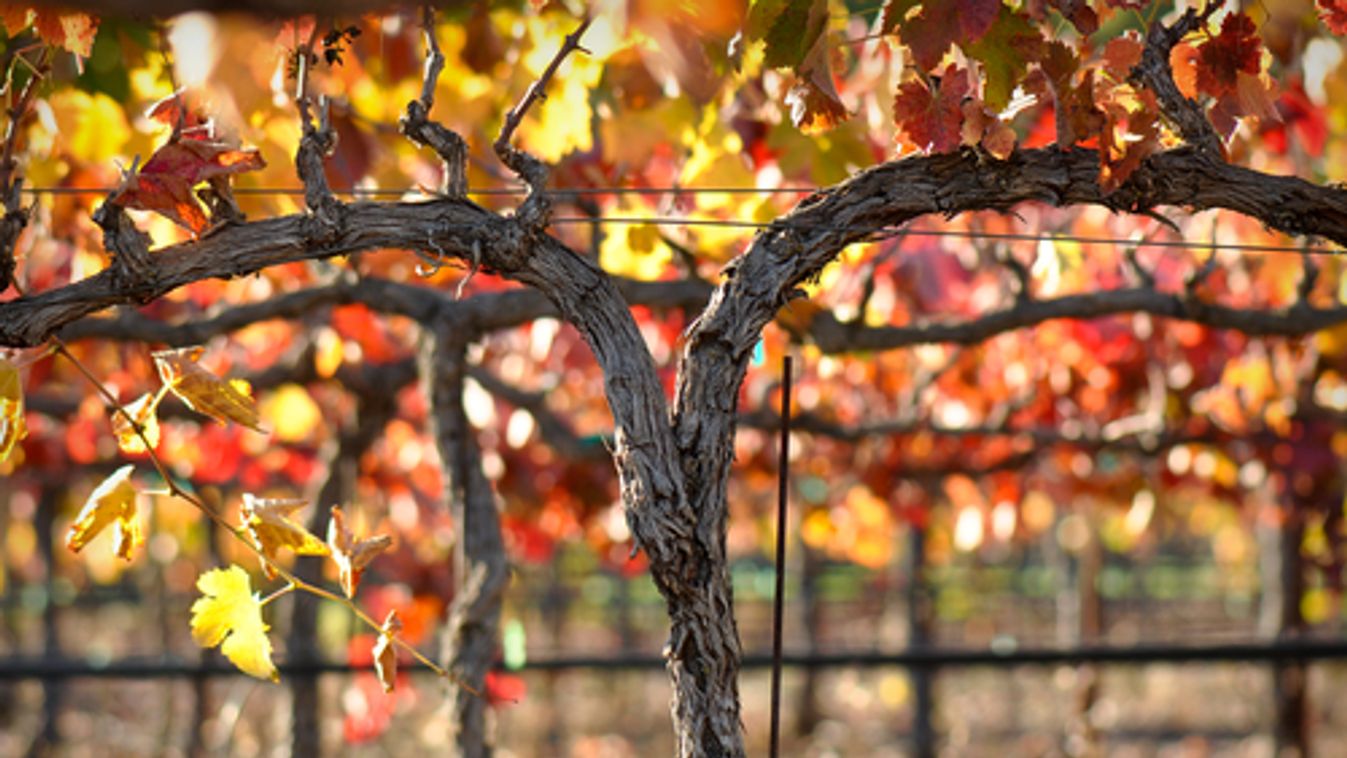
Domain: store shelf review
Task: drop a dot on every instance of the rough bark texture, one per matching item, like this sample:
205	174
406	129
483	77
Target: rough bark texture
469	641
788	253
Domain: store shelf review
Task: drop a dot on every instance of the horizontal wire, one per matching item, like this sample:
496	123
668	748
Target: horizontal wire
504	191
1247	247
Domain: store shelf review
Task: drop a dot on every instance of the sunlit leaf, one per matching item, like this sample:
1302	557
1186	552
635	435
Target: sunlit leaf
814	103
112	503
1005	51
933	120
142	411
268	521
230	615
205	392
930	33
164	184
12	425
70	30
352	554
386	652
1224	56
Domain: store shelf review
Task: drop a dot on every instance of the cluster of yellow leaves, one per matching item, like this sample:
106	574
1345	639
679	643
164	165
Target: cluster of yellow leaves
229	613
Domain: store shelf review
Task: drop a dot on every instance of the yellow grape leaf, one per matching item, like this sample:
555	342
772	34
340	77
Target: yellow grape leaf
268	521
386	653
143	412
351	554
205	392
12	425
112	502
228	612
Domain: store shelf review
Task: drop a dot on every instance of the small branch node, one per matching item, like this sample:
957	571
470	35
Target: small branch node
314	147
129	247
417	126
535	211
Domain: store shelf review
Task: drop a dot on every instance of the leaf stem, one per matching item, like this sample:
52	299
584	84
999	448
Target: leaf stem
280	593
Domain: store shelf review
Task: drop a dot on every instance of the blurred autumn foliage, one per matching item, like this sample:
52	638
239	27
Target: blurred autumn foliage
1073	343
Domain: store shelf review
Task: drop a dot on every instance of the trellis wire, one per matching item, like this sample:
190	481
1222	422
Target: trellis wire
661	220
1009	656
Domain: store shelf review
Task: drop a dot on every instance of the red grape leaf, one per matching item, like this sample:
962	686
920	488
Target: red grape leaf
895	13
1334	15
933	120
164	184
1221	58
1079	13
939	24
1121	54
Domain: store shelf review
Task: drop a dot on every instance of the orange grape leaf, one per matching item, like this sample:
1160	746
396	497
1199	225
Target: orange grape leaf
173	111
12	425
17	18
164	184
386	653
351	554
229	614
205	392
268	521
69	30
1123	53
112	502
142	411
